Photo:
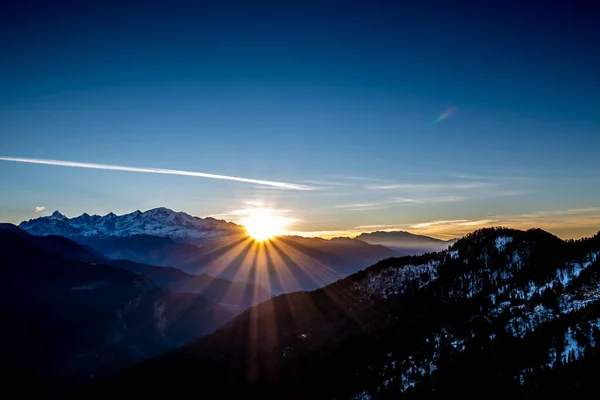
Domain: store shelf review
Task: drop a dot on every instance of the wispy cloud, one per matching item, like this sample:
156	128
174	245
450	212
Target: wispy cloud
396	201
379	226
256	208
39	209
359	205
440	222
565	212
509	192
448	112
423	187
336	194
356	178
430	200
281	185
263	210
447	229
327	183
492	177
572	222
454	189
368	208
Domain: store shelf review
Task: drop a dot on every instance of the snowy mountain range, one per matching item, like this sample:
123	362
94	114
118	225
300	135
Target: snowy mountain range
163	237
162	222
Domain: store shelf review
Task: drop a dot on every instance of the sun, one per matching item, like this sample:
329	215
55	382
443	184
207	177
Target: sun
262	225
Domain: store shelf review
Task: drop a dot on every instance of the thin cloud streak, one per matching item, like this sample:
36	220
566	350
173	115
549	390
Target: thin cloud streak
39	209
326	234
356	178
567	220
421	187
281	185
381	226
426	200
396	201
368	208
570	211
441	222
359	205
448	112
327	183
461	175
571	222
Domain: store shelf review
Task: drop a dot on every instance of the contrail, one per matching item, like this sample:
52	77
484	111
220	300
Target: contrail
61	163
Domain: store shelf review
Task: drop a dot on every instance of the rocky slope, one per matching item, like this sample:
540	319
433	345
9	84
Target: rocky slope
502	311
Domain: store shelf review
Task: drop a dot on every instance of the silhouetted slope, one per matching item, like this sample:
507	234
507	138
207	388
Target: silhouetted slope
502	311
68	322
234	295
58	245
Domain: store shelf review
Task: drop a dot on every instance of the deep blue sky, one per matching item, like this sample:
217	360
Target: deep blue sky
303	91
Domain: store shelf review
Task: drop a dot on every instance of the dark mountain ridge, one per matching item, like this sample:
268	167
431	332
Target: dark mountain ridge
516	313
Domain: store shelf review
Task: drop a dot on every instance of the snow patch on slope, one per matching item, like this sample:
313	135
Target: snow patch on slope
395	280
502	241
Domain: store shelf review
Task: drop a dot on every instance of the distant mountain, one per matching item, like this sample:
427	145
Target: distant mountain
67	321
160	222
405	242
218	248
502	312
288	263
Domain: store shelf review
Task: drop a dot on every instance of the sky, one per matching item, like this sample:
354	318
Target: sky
433	117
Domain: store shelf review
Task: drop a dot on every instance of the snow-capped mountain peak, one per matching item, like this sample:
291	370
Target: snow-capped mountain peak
57	216
161	221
